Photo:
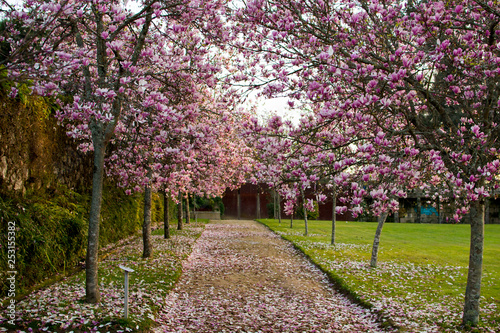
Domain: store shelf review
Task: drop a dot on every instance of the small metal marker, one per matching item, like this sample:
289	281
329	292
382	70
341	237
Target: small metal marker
126	270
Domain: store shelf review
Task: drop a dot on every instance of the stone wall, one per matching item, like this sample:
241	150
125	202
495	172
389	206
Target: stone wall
34	150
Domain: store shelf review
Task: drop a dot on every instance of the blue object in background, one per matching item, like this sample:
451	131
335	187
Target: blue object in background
427	210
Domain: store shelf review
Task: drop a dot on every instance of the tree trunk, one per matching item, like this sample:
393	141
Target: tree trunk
188	217
279	208
334	217
376	240
238	204
291	221
91	262
258	205
275	205
146	225
473	288
419	209
305	211
179	213
317	203
166	216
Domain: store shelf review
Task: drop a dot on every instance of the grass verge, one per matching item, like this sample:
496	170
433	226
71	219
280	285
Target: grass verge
420	280
61	307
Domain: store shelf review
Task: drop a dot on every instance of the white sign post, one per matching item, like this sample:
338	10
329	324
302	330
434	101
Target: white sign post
126	270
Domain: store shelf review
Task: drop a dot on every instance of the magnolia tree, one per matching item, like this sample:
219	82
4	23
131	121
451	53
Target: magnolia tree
426	71
353	160
147	153
190	147
97	58
287	161
272	150
196	150
220	158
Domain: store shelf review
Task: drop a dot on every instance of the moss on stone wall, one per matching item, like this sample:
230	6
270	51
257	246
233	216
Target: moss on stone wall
50	234
34	150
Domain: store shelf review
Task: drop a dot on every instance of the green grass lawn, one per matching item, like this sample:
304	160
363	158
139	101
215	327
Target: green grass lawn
420	266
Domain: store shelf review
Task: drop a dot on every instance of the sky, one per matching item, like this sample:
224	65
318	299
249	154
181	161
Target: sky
277	106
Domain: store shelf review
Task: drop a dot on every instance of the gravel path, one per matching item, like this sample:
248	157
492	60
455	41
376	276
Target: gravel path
241	277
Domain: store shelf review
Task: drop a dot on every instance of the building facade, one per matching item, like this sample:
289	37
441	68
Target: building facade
258	201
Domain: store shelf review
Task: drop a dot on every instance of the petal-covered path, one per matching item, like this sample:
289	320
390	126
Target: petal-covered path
241	277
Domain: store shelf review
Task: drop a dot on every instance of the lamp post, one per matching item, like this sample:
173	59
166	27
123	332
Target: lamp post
126	270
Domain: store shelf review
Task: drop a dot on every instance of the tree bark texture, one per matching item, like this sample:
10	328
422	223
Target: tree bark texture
279	208
487	204
396	213
258	205
334	217
291	221
473	288
179	213
188	217
376	240
238	204
305	211
91	263
146	225
166	216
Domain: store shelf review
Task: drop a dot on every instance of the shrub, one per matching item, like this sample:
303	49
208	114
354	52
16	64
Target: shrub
299	212
208	204
270	209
